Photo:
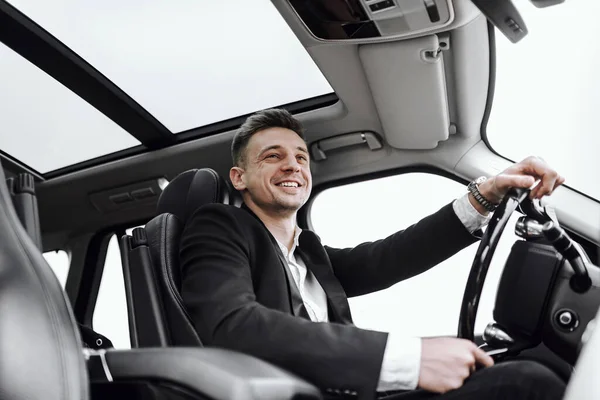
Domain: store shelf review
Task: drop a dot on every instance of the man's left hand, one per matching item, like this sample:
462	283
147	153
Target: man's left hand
522	175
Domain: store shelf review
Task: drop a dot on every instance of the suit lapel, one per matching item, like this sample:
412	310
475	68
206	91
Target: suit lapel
295	298
316	260
296	302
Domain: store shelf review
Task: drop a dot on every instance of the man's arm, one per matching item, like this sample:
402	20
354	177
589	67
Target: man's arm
471	217
373	266
442	364
217	291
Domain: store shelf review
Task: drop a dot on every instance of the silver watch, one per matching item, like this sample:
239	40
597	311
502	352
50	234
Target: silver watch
473	188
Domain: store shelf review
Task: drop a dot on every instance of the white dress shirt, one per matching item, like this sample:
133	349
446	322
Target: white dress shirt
402	356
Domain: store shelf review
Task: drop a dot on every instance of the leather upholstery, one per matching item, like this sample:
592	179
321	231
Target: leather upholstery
214	373
184	195
40	349
191	189
163	234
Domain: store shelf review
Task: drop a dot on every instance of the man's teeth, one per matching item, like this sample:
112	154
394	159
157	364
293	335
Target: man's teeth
288	184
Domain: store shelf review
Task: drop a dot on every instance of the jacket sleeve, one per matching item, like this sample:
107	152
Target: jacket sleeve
217	291
378	265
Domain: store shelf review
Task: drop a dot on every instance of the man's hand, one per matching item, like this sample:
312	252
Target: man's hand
447	362
522	175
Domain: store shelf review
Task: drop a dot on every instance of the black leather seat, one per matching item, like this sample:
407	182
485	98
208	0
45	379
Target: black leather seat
151	261
41	355
40	349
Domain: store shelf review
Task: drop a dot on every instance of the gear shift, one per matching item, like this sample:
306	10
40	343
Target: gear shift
495	337
496	340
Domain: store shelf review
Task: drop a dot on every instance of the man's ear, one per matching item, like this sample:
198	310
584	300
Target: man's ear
236	176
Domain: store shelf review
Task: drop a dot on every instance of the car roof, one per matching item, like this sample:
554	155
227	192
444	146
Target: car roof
426	112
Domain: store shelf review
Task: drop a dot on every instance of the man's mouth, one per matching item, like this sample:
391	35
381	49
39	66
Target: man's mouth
290	184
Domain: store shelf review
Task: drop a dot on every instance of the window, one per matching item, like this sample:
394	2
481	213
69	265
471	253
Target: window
189	63
59	262
110	315
45	125
425	305
547	92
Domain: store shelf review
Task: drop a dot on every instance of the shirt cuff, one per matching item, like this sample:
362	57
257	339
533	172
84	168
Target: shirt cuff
468	215
401	364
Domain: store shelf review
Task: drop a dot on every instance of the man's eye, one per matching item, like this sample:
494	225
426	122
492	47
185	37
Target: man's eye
273	156
303	158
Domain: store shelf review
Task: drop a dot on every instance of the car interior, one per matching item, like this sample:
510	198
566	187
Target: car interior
118	121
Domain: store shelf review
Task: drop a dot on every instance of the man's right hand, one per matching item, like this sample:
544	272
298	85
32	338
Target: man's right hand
447	362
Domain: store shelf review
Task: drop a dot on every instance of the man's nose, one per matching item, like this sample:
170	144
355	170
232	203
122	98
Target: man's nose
291	164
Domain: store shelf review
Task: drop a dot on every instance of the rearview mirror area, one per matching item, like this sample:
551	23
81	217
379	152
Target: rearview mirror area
506	17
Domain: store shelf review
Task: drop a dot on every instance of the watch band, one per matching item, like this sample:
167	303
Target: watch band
474	190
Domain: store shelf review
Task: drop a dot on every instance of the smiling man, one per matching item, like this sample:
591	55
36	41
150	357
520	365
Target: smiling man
254	282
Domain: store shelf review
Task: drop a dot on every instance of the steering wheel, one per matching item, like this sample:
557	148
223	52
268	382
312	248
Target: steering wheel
483	257
557	309
570	290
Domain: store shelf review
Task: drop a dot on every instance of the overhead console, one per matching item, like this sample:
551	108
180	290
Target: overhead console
365	19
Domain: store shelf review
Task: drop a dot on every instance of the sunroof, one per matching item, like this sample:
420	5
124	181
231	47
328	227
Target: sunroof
187	62
45	125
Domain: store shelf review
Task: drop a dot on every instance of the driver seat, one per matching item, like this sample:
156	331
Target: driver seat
42	357
157	316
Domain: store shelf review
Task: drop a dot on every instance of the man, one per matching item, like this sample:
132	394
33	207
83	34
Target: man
254	282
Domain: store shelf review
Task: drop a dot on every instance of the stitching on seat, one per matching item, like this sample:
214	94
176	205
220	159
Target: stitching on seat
217	184
158	291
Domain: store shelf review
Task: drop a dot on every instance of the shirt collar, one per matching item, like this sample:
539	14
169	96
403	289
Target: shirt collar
284	249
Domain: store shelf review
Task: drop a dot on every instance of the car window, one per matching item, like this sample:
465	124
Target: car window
547	92
59	263
110	314
425	305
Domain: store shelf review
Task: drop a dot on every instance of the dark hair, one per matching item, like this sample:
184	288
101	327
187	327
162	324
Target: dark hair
272	118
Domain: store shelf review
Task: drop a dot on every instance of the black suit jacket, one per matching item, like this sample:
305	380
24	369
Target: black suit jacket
238	292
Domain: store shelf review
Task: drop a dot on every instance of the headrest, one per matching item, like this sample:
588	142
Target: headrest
192	189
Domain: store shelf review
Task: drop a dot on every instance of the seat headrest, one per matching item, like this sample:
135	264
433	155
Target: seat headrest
192	189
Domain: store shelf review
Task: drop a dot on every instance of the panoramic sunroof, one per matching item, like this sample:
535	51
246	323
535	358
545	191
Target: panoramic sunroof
45	125
187	62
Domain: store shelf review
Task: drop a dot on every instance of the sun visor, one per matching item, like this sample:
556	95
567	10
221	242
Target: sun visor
408	85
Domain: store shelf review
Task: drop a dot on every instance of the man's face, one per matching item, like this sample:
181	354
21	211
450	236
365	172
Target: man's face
276	172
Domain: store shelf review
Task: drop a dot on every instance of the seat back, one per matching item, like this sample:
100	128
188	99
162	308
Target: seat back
157	316
40	348
22	192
